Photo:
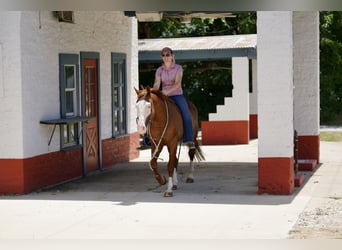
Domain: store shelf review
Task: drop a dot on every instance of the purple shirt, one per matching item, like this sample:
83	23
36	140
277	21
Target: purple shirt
168	78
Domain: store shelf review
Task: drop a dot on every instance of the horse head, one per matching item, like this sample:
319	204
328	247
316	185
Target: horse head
143	106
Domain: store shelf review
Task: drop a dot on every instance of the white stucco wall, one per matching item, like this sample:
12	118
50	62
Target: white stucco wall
40	38
235	108
306	72
275	84
11	123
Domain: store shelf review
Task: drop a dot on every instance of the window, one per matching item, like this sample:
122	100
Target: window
119	126
69	98
70	90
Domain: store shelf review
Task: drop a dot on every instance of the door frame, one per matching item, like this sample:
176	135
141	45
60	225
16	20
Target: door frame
96	56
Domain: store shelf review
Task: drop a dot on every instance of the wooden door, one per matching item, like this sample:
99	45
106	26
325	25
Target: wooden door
90	105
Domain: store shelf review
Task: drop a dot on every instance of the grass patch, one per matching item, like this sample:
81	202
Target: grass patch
330	136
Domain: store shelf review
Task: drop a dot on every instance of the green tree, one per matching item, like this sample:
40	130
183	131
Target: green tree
331	67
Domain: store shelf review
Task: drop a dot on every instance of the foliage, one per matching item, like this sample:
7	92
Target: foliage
243	23
330	66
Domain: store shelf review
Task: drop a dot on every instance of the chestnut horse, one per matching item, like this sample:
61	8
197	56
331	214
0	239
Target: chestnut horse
159	116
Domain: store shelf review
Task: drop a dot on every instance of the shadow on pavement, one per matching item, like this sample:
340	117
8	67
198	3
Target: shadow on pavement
133	182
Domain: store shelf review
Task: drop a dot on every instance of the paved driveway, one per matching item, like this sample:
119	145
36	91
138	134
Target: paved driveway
126	202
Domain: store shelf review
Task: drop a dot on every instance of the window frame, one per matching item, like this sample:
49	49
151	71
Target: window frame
119	94
69	133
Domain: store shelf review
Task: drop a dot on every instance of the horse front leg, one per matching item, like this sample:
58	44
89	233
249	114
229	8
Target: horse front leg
154	166
172	171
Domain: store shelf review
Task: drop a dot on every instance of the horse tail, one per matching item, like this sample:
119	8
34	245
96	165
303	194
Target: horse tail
199	153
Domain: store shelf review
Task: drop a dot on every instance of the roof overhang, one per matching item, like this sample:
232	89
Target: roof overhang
183	16
200	48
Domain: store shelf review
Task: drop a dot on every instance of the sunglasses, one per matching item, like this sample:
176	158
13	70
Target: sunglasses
166	55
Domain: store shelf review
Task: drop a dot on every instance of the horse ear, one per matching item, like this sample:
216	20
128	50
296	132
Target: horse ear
148	91
136	90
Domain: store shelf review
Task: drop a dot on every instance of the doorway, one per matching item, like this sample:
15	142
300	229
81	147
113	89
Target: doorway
90	103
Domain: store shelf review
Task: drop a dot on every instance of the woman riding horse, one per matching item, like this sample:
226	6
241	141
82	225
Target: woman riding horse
170	76
170	119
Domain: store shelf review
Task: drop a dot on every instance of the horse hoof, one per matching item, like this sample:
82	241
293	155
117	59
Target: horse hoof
189	180
174	187
168	194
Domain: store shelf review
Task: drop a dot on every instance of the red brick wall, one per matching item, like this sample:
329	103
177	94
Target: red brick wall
120	149
11	176
275	175
20	176
253	126
225	132
309	147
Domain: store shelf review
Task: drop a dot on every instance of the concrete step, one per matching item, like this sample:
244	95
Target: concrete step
307	164
299	179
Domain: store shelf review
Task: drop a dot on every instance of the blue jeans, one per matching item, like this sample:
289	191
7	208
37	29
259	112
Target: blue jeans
188	134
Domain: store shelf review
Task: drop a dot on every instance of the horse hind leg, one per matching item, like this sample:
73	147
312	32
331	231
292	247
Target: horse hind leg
190	178
175	179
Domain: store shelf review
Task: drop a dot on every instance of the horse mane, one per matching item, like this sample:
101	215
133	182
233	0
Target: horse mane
159	94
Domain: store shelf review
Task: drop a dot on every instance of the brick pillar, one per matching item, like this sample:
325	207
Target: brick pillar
275	102
230	124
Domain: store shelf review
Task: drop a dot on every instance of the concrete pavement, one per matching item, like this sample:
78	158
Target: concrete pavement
127	203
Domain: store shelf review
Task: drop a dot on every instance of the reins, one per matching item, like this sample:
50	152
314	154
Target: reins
164	130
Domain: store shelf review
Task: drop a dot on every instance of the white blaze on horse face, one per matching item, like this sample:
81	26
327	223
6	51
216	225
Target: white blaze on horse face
143	111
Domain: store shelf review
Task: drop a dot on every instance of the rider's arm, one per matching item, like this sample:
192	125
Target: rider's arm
157	81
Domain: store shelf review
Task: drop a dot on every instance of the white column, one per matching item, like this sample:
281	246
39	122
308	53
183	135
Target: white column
275	102
1	75
306	83
132	74
275	84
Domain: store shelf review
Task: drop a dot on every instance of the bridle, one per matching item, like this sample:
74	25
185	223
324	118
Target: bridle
148	125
